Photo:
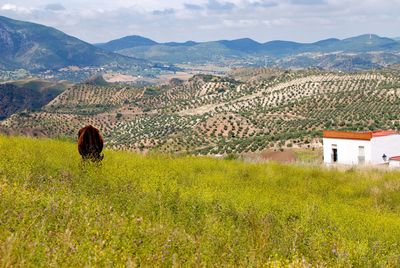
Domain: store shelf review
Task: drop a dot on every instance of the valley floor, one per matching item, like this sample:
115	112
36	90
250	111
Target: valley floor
249	111
189	211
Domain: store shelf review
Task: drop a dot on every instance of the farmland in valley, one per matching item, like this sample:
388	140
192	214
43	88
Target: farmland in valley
249	110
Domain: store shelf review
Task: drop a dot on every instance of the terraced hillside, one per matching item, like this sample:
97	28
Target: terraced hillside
249	111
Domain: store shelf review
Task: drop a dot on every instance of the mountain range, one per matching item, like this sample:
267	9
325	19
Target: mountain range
37	47
362	43
365	51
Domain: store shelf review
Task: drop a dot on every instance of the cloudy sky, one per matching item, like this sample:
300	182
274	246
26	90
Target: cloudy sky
205	20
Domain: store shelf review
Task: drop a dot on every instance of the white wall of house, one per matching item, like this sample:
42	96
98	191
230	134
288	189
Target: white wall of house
388	145
347	151
394	164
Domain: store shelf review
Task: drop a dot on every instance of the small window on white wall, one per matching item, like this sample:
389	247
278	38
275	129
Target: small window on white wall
361	154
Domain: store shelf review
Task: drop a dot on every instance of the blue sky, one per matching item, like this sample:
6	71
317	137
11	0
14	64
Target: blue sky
205	20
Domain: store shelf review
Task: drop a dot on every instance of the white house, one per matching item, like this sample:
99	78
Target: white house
355	148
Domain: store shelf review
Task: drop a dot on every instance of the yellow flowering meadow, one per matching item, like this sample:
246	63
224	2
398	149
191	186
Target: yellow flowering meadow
189	211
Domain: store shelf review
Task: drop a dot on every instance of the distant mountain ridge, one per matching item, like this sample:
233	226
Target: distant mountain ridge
127	42
246	48
362	43
37	47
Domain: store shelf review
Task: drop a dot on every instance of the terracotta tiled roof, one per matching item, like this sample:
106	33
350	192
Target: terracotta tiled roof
395	158
357	135
382	133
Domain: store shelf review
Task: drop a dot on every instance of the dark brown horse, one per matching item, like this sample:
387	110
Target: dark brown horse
90	144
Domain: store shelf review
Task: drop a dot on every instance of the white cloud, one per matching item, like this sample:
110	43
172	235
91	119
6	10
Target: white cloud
277	22
241	23
15	8
9	7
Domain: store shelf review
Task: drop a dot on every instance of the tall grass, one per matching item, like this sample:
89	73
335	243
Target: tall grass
166	211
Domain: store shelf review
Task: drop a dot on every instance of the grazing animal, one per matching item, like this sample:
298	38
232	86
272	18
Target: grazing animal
90	144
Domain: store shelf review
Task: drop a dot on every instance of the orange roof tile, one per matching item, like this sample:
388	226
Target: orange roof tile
382	133
357	135
395	158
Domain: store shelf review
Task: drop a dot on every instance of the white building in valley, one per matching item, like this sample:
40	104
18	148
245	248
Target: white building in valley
358	148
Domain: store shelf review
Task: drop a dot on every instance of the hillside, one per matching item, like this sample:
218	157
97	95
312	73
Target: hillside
162	211
366	51
27	95
249	111
127	42
37	47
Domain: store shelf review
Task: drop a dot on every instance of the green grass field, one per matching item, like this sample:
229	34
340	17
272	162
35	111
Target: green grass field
186	211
